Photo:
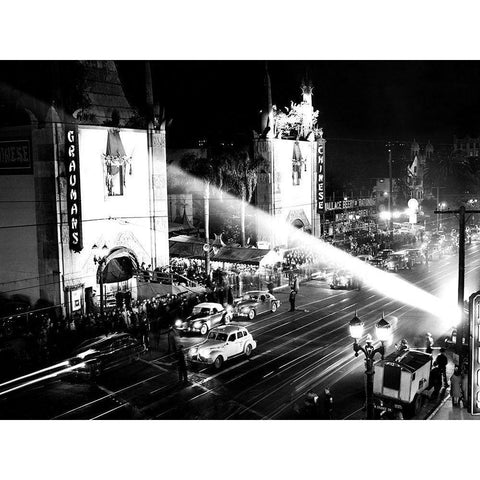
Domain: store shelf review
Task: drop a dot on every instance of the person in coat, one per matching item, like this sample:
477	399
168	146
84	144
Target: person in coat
456	387
181	365
429	343
291	299
296	283
442	362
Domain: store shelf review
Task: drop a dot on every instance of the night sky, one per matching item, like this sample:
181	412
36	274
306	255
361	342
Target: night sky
362	104
357	99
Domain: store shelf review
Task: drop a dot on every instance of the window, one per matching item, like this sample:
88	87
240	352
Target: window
115	180
232	337
240	334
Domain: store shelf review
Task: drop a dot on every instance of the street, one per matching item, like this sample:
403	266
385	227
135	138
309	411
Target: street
308	349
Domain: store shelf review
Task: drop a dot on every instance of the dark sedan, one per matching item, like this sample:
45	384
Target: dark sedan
255	303
95	356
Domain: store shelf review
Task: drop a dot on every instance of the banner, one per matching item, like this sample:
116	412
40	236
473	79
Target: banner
320	176
74	204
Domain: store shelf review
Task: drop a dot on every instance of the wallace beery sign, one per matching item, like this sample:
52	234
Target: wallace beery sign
73	189
15	156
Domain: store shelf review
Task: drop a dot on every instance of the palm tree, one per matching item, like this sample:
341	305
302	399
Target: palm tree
242	179
203	169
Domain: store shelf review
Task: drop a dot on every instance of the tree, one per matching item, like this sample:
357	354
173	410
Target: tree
203	169
242	179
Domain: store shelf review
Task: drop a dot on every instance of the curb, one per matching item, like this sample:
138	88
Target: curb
437	409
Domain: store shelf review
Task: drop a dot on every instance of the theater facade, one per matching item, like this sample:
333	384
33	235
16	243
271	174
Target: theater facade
77	202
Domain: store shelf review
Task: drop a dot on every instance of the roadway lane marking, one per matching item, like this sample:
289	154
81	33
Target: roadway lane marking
154	364
109	411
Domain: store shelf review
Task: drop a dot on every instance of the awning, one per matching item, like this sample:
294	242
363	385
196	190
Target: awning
120	265
192	247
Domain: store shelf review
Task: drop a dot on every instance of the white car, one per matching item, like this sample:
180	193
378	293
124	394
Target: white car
223	343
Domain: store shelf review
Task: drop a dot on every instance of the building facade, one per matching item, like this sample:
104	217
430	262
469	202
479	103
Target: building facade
67	186
291	178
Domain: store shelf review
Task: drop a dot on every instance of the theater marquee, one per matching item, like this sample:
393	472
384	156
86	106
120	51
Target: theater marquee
74	205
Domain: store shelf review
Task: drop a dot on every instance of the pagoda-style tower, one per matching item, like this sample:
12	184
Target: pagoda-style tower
291	182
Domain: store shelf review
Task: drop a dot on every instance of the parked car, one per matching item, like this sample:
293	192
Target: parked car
222	344
415	256
396	261
255	303
377	262
324	273
94	356
204	316
344	279
365	258
384	254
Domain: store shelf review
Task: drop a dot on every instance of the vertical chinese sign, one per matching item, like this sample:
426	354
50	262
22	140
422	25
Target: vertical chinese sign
74	206
320	176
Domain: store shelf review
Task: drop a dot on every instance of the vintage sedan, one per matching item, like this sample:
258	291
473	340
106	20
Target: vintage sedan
397	261
222	344
254	303
204	316
415	256
344	279
95	356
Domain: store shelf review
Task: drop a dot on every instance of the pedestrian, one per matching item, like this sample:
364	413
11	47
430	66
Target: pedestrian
311	405
171	340
181	365
291	299
456	387
442	362
429	343
464	376
328	404
435	381
296	283
402	347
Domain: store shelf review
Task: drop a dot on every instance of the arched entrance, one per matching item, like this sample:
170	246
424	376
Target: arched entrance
119	265
293	240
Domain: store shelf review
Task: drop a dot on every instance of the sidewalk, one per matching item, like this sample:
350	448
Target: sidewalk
446	411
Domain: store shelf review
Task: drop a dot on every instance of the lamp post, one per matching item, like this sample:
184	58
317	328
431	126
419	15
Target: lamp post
101	262
383	333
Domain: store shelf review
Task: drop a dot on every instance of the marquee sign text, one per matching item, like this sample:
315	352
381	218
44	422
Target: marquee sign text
15	156
320	177
74	205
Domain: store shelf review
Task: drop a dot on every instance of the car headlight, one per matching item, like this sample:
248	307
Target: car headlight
245	309
204	352
178	323
197	324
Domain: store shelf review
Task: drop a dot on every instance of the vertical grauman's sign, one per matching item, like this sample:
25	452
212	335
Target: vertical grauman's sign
74	205
320	176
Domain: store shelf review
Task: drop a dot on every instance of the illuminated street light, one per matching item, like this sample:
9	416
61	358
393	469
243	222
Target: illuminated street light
382	329
101	261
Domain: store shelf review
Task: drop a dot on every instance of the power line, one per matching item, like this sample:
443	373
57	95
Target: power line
83	221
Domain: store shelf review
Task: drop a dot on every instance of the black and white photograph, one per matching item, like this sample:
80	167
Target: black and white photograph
230	244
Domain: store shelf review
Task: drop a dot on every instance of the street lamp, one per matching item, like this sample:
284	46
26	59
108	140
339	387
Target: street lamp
101	261
382	329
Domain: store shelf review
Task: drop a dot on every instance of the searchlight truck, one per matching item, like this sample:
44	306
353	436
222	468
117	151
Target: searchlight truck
401	381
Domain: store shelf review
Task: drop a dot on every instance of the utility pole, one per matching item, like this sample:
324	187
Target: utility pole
390	193
461	329
438	200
